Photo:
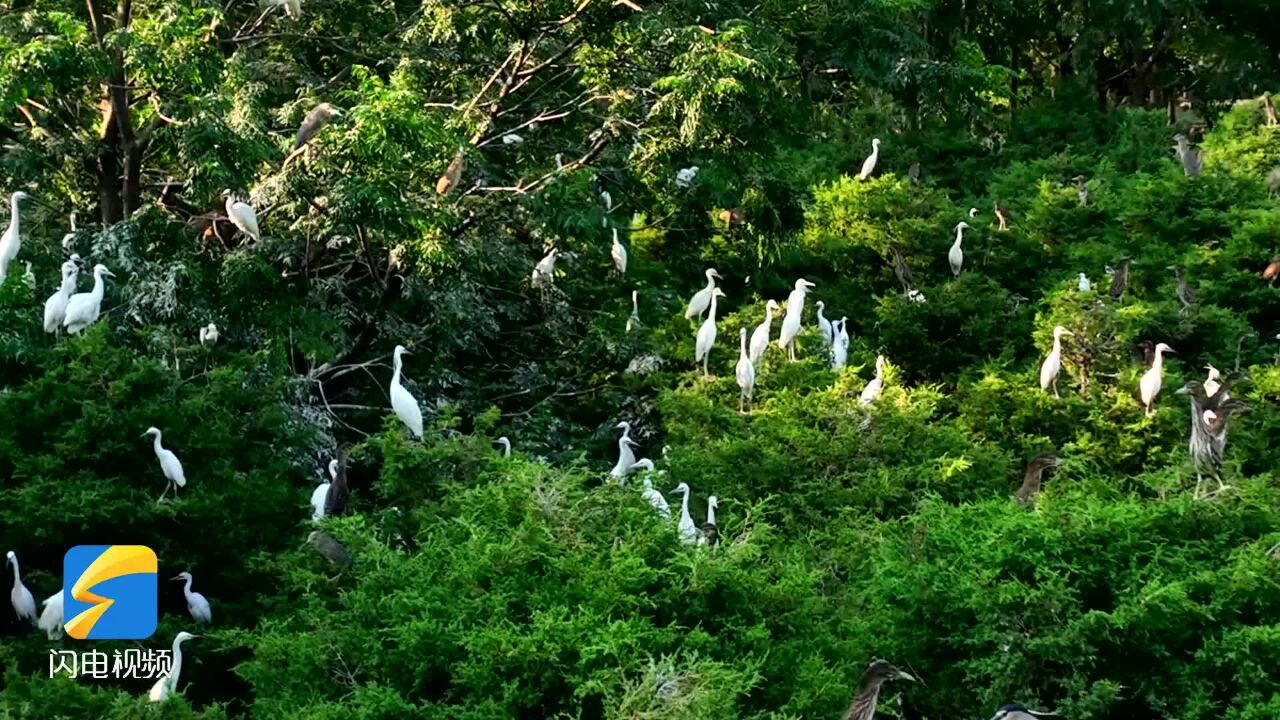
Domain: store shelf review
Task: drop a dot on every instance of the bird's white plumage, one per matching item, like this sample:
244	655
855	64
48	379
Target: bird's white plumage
656	499
828	333
633	320
840	343
702	299
869	165
619	254
745	371
1213	381
318	497
626	458
51	617
956	256
685	177
169	463
687	529
11	241
512	139
872	391
402	401
544	272
791	322
1052	364
209	334
55	308
24	604
197	604
1083	284
712	504
760	338
83	309
242	215
168	683
1149	385
706	337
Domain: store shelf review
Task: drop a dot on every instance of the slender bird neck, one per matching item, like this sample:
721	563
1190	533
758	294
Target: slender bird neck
959	236
742	343
177	663
186	589
99	285
69	282
684	504
1057	344
711	513
155	442
17	577
13	206
712	314
768	314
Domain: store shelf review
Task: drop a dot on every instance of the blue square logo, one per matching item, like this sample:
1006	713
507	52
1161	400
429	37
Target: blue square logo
109	592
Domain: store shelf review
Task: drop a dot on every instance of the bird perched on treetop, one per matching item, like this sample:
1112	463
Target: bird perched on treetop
1186	295
956	255
900	268
702	299
878	673
1002	216
451	175
313	123
1033	477
1208	441
1272	271
869	165
1082	190
1149	385
1119	279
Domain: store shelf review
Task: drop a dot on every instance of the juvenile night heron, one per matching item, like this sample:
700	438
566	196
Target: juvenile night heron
325	544
1190	156
1273	183
1082	190
1272	271
1186	295
1120	279
1002	216
877	674
1269	110
900	268
313	123
1033	477
335	501
913	173
452	174
1209	417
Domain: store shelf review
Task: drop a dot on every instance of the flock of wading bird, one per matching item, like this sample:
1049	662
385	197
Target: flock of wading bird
1211	404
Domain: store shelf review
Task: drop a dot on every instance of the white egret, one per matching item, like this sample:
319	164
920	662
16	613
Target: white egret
828	333
626	458
197	605
1149	385
688	530
169	464
1083	284
11	241
1213	382
633	320
871	392
209	334
625	427
512	139
973	212
1052	364
840	344
69	237
241	215
23	602
792	320
707	335
29	276
915	296
701	299
684	178
559	161
505	442
55	308
869	165
760	338
607	199
51	617
956	255
746	373
402	401
654	497
544	273
168	683
710	533
619	254
83	309
320	495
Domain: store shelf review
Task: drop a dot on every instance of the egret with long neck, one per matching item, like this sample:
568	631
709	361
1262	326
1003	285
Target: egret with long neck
626	458
11	241
828	332
760	337
706	337
24	604
702	299
688	530
168	683
321	494
83	309
869	165
956	255
1149	385
55	308
403	403
1053	362
792	320
197	605
654	497
745	373
872	391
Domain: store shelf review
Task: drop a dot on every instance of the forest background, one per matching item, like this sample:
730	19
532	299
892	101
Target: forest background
487	587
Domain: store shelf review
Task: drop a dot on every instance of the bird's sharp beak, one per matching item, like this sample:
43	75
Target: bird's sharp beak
176	577
1180	391
905	676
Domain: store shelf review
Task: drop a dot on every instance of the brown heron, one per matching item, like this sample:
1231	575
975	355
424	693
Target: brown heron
1120	279
325	544
900	267
335	502
878	673
1186	295
313	123
1002	216
451	174
733	217
1033	477
1272	271
1208	441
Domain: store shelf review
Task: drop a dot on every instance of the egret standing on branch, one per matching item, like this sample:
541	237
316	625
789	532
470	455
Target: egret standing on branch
654	497
11	241
51	617
746	374
402	401
55	308
840	344
702	299
824	325
83	309
792	320
1082	190
208	334
544	272
706	337
1083	284
168	683
626	457
760	337
619	254
24	604
687	529
505	443
1053	362
869	165
956	256
878	673
241	215
197	605
633	320
169	464
321	493
871	392
1190	156
685	177
1149	385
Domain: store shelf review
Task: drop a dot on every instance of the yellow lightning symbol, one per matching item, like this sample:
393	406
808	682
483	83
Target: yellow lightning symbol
114	562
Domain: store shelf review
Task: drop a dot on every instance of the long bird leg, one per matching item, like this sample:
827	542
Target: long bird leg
1055	389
